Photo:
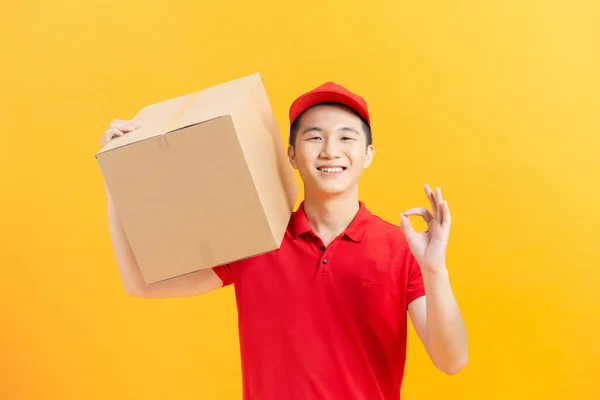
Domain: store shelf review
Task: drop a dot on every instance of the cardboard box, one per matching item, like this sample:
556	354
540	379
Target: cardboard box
204	181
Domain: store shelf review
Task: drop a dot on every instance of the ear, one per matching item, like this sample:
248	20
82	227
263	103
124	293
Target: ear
292	156
369	157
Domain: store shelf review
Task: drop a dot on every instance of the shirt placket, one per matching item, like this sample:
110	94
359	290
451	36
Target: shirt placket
325	253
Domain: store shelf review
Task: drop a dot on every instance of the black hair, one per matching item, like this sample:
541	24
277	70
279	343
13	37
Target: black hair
295	126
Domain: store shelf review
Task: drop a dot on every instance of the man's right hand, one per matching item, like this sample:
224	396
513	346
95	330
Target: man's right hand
117	128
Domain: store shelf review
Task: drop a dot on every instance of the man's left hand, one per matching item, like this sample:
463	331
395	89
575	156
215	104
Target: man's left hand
429	247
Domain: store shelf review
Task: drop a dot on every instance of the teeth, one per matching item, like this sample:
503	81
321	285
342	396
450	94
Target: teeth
337	169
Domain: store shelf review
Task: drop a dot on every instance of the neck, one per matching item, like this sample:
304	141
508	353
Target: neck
329	216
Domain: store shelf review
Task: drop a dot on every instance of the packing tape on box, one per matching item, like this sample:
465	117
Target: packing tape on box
175	118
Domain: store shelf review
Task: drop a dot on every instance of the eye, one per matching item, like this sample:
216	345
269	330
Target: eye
347	138
314	138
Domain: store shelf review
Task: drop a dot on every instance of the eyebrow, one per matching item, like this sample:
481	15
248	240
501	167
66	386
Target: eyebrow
317	129
348	129
312	128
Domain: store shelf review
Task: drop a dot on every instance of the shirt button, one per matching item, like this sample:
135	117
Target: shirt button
322	248
325	261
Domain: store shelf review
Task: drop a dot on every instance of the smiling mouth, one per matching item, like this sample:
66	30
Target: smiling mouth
331	169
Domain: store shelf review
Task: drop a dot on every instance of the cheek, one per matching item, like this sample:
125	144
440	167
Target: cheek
358	158
305	157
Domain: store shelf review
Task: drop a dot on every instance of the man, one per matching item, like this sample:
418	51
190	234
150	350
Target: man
325	316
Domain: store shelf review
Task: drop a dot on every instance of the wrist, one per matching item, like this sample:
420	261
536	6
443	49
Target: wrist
435	270
436	281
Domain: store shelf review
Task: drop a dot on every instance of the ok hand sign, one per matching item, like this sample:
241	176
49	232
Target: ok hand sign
429	247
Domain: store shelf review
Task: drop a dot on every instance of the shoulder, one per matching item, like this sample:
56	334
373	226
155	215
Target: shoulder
388	238
382	228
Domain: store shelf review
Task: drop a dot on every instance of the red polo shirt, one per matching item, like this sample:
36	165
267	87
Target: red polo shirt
326	323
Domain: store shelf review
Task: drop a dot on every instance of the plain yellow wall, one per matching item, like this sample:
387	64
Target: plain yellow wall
497	102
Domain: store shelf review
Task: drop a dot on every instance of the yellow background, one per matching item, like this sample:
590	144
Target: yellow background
497	102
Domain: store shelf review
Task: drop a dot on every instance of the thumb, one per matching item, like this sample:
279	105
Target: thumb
406	226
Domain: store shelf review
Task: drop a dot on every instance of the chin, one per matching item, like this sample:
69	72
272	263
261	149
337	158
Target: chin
331	189
326	186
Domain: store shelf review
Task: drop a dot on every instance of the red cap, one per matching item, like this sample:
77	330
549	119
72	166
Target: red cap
329	92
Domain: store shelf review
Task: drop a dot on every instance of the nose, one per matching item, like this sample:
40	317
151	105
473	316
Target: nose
330	149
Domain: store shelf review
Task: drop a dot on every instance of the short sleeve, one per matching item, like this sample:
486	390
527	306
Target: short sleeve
414	287
224	273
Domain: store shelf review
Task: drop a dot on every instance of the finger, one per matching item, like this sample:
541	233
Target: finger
406	226
422	212
447	218
112	133
439	203
432	201
124	127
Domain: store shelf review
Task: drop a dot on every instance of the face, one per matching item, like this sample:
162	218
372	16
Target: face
331	150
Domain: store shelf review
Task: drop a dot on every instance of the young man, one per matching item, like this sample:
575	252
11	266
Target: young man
325	316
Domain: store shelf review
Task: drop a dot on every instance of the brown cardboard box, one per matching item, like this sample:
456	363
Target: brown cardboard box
203	182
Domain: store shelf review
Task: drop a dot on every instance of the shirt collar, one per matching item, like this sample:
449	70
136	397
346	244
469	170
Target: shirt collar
355	231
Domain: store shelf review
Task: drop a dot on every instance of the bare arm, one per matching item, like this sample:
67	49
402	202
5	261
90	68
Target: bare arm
436	317
438	323
193	284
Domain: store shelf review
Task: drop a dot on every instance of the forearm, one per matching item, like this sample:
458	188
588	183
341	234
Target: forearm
446	333
128	268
